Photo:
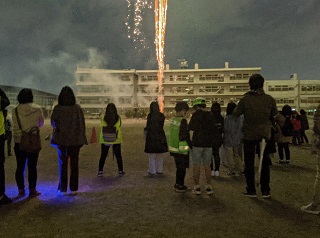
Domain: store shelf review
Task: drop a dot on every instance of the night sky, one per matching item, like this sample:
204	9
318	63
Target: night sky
43	41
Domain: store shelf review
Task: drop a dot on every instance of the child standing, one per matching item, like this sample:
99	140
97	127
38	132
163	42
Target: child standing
232	140
109	138
217	138
179	143
296	129
201	123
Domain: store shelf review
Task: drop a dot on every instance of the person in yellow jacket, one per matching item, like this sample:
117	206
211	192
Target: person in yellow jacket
110	136
179	144
4	102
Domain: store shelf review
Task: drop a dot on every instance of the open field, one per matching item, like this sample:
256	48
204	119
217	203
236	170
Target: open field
137	205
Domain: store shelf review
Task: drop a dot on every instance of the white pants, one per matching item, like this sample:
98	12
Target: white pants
155	163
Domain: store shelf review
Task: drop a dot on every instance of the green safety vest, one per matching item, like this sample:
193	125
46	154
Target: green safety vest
176	146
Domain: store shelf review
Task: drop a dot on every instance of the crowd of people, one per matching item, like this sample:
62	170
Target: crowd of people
252	127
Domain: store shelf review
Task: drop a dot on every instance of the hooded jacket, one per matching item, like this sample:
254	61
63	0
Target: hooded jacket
257	108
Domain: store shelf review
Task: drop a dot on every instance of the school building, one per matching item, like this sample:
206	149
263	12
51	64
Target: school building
131	88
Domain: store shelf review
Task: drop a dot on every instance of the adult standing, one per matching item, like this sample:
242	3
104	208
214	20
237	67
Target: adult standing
314	206
28	115
68	122
257	108
156	141
202	125
4	102
111	138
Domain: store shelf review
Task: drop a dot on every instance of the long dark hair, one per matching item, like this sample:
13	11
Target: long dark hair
111	116
66	97
154	108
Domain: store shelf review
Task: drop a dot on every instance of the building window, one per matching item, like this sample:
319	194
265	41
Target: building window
211	89
90	100
239	88
310	100
284	100
280	88
148	78
182	90
211	77
314	88
244	76
93	89
181	78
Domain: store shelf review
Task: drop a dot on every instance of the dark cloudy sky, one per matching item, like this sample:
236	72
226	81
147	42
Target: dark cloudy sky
43	41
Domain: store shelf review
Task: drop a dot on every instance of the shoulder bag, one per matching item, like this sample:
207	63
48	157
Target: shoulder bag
30	140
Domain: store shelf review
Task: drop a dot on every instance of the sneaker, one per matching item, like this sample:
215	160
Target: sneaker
121	173
250	195
312	209
287	162
181	188
5	200
100	174
62	193
22	193
209	190
266	195
212	173
196	190
281	162
34	193
216	173
74	193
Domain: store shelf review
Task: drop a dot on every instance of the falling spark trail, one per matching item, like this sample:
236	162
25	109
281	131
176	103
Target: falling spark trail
160	10
135	13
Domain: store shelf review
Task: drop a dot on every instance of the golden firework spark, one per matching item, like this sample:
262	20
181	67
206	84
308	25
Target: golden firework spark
135	13
160	10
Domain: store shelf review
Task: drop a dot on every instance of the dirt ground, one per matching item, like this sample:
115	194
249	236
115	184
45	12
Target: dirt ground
136	205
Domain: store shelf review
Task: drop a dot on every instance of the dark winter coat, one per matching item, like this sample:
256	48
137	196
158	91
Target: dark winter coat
257	108
69	124
156	141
